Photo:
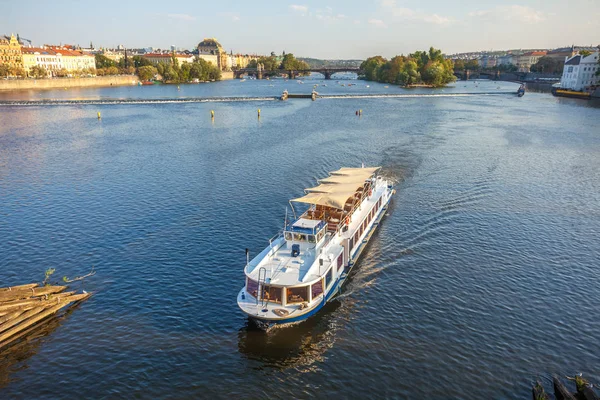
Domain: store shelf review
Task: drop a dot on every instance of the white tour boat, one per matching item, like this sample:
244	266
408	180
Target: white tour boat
304	267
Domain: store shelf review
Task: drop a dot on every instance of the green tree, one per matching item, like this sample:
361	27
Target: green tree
585	53
112	71
472	65
370	67
548	65
196	71
104	62
147	72
184	72
170	75
4	70
459	65
62	72
139	61
18	71
160	67
38	72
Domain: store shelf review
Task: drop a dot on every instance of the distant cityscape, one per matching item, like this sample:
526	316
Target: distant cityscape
19	58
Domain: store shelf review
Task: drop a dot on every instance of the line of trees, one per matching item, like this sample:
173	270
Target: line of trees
272	66
38	72
421	67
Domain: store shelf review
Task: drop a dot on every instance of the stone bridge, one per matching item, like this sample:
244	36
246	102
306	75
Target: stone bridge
467	74
326	71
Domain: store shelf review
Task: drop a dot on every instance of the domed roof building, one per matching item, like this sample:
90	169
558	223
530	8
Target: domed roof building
210	46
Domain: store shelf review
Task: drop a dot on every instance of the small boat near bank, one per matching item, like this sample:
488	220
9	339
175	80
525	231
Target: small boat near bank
564	92
306	265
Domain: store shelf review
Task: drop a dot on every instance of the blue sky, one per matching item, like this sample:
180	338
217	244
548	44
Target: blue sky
322	29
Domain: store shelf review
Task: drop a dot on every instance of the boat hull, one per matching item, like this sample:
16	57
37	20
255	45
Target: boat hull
269	323
571	93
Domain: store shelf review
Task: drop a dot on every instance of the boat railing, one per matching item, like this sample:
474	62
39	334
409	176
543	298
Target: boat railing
274	238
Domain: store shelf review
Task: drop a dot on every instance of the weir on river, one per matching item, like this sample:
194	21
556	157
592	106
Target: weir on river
53	102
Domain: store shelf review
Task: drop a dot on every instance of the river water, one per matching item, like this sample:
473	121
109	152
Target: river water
482	278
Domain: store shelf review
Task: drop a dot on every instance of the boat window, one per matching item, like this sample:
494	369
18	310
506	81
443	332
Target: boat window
300	237
251	287
311	238
328	277
317	289
340	260
288	236
297	294
272	294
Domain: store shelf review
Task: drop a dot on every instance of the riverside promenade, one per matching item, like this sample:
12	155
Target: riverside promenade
96	81
54	83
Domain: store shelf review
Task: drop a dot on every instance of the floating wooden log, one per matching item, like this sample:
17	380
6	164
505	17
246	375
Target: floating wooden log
18	304
560	391
27	314
12	334
11	288
31	292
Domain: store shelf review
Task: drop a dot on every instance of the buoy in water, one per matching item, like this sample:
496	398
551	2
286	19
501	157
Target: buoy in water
356	112
99	115
259	113
212	113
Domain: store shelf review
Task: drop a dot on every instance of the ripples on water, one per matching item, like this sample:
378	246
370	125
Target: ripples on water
481	278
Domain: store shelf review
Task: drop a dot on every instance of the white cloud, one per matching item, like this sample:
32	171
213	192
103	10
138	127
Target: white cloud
392	8
299	9
516	13
436	19
181	17
232	16
377	22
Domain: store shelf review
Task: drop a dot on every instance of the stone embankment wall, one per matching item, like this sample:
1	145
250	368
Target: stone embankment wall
18	84
226	75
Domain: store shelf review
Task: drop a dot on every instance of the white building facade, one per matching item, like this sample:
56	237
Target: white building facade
580	72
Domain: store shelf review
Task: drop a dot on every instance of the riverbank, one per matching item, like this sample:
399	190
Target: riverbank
54	83
97	81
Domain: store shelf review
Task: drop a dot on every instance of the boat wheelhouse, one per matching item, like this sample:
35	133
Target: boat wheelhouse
305	266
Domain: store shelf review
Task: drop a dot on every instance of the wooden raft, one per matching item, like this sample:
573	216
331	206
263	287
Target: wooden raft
24	307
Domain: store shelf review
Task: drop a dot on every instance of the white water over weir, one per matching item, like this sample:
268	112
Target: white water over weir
50	102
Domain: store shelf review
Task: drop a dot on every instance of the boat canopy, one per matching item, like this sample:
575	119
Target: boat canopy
343	179
335	190
333	187
355	171
335	200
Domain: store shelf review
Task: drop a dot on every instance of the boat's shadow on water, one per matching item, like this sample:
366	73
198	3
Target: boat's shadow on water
296	346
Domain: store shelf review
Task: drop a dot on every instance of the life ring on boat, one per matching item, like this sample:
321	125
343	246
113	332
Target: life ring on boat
370	192
347	220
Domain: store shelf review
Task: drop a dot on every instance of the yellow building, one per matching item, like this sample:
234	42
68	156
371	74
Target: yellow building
45	58
242	61
10	52
73	60
165	58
